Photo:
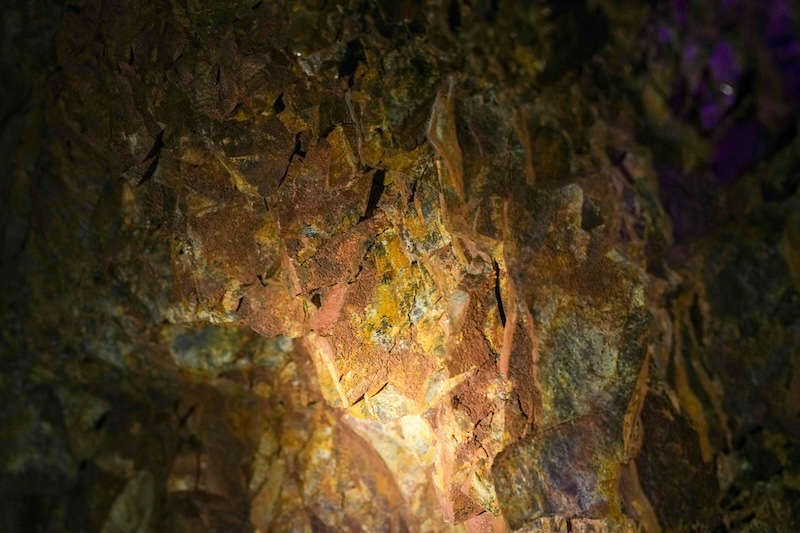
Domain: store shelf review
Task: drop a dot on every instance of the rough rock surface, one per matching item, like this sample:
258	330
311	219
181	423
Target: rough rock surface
397	266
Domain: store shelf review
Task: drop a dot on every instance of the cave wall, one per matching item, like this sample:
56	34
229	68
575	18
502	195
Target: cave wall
400	266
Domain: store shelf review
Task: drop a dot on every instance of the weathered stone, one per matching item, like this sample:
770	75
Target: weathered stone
399	266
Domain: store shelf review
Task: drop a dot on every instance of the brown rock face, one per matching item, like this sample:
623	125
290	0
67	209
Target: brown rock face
380	266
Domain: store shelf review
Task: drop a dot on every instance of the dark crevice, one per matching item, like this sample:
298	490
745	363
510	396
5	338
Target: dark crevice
413	194
454	15
297	152
355	276
480	445
741	440
155	155
279	105
590	216
100	422
256	5
330	128
521	409
298	146
353	54
375	193
359	399
185	417
729	497
151	170
158	144
497	293
617	158
490	416
316	299
379	390
235	109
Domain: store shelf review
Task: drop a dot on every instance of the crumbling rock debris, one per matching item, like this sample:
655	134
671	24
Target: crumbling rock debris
389	266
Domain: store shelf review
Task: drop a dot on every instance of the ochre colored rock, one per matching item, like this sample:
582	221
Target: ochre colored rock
394	266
